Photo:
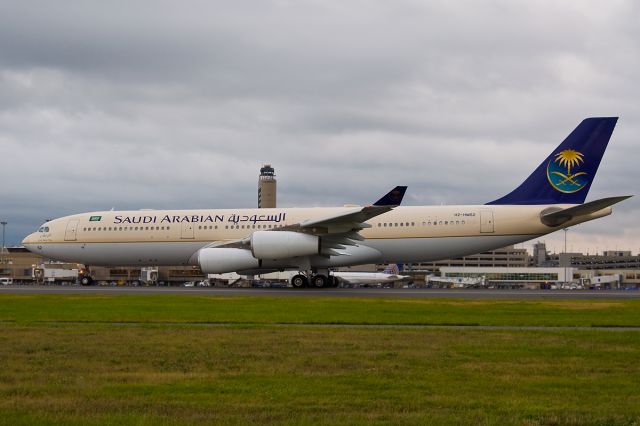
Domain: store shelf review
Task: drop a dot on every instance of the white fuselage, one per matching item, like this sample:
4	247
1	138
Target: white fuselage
173	237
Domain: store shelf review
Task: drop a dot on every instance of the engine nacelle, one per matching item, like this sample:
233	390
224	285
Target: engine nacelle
221	260
283	244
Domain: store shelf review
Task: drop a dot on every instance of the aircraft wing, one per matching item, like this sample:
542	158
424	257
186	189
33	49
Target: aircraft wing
355	219
339	230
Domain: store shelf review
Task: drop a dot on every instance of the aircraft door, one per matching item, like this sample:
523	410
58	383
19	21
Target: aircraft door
72	230
486	221
187	231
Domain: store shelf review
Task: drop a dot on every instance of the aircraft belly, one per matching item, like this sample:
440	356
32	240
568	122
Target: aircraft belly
431	249
122	254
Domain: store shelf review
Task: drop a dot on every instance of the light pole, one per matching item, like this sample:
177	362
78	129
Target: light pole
2	257
565	253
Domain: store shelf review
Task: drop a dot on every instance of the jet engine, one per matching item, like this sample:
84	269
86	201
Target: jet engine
221	260
283	244
265	245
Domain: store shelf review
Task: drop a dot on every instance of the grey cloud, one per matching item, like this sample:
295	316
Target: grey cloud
168	105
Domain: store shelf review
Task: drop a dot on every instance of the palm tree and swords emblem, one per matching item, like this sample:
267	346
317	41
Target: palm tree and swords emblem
560	174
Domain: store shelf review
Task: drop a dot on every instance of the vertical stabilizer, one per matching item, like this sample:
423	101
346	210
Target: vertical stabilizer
565	176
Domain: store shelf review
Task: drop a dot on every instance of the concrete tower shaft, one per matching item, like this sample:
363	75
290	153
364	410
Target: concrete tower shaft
267	187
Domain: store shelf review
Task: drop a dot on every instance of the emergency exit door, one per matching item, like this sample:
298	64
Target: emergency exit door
187	231
71	232
486	221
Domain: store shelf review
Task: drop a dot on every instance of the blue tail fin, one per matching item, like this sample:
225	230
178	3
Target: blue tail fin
566	175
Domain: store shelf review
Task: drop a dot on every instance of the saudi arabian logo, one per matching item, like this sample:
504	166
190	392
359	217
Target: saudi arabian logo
562	173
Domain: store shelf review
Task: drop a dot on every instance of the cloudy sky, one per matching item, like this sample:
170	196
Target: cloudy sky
164	104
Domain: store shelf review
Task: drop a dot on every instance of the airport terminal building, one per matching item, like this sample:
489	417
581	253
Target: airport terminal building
508	267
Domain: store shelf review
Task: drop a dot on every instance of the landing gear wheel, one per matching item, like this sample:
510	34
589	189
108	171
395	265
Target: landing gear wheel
86	280
333	281
319	281
299	281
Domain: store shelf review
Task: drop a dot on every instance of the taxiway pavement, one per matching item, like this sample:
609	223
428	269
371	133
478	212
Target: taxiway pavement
333	292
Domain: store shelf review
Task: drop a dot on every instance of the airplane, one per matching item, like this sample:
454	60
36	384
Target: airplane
315	240
390	274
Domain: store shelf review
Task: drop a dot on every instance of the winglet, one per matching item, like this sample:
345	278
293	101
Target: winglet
392	198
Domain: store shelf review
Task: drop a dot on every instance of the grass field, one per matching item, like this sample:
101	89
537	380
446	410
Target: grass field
190	359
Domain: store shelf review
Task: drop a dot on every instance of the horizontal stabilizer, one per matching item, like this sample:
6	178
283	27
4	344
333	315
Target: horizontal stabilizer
558	217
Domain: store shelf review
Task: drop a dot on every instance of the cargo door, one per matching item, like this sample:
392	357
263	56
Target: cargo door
72	230
486	221
187	231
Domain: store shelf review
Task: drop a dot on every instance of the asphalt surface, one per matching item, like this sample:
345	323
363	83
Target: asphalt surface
334	292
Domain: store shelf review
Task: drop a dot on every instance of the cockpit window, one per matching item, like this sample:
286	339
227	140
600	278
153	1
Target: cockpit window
43	229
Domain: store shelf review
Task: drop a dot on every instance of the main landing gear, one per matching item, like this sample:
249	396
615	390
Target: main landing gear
316	281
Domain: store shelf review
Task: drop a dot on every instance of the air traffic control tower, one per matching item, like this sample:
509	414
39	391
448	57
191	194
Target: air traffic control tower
267	187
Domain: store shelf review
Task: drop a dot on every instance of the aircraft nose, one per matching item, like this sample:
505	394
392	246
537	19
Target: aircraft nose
29	240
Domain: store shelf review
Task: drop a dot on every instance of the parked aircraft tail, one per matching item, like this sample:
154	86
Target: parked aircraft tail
392	269
565	176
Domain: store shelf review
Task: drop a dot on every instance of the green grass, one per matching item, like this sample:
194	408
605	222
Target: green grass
321	310
128	367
